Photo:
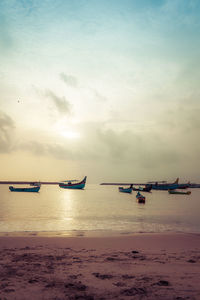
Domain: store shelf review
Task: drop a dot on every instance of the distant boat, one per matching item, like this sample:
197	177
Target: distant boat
179	192
71	185
24	189
183	185
125	190
166	186
194	185
140	198
146	188
35	183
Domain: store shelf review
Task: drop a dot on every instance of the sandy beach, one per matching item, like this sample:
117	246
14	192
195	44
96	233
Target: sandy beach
139	266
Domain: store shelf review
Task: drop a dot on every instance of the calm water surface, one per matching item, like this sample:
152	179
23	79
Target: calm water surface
97	208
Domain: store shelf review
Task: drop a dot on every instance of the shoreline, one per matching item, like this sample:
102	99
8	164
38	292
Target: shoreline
136	266
90	233
149	241
69	233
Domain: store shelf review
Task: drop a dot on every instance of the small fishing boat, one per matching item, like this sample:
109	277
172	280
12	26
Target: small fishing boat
35	183
179	192
72	184
184	185
146	188
140	198
163	186
24	189
125	190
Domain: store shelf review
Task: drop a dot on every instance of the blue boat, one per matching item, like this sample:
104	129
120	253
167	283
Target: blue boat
24	189
125	190
165	186
71	185
194	185
183	185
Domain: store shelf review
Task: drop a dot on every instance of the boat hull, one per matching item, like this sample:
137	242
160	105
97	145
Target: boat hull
76	186
179	192
140	198
163	187
26	189
147	188
125	190
166	186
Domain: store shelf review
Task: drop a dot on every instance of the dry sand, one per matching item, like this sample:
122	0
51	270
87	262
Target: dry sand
145	266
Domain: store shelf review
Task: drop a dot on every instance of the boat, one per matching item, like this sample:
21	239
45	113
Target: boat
24	189
179	192
35	183
194	185
146	188
72	184
126	190
184	185
140	198
165	186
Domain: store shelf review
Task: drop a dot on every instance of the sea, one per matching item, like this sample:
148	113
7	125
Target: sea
96	210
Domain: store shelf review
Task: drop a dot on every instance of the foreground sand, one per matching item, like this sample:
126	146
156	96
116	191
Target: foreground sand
146	266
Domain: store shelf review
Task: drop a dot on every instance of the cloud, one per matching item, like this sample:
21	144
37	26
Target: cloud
99	96
183	118
69	80
34	147
63	106
60	151
6	129
146	151
73	82
120	154
46	149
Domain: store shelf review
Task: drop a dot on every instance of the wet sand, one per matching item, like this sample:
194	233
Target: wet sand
139	266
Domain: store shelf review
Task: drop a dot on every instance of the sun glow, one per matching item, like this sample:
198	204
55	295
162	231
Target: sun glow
68	131
70	134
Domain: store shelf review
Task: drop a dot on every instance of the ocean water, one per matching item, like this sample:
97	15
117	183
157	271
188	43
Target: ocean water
97	209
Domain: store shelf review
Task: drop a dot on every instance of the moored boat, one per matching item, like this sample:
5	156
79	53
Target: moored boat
70	184
140	198
183	185
165	186
179	192
24	189
146	188
35	183
194	185
125	190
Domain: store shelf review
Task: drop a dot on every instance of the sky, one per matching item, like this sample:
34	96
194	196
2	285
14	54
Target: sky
107	89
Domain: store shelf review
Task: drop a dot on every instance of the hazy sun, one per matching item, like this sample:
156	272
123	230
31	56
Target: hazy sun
70	134
67	131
